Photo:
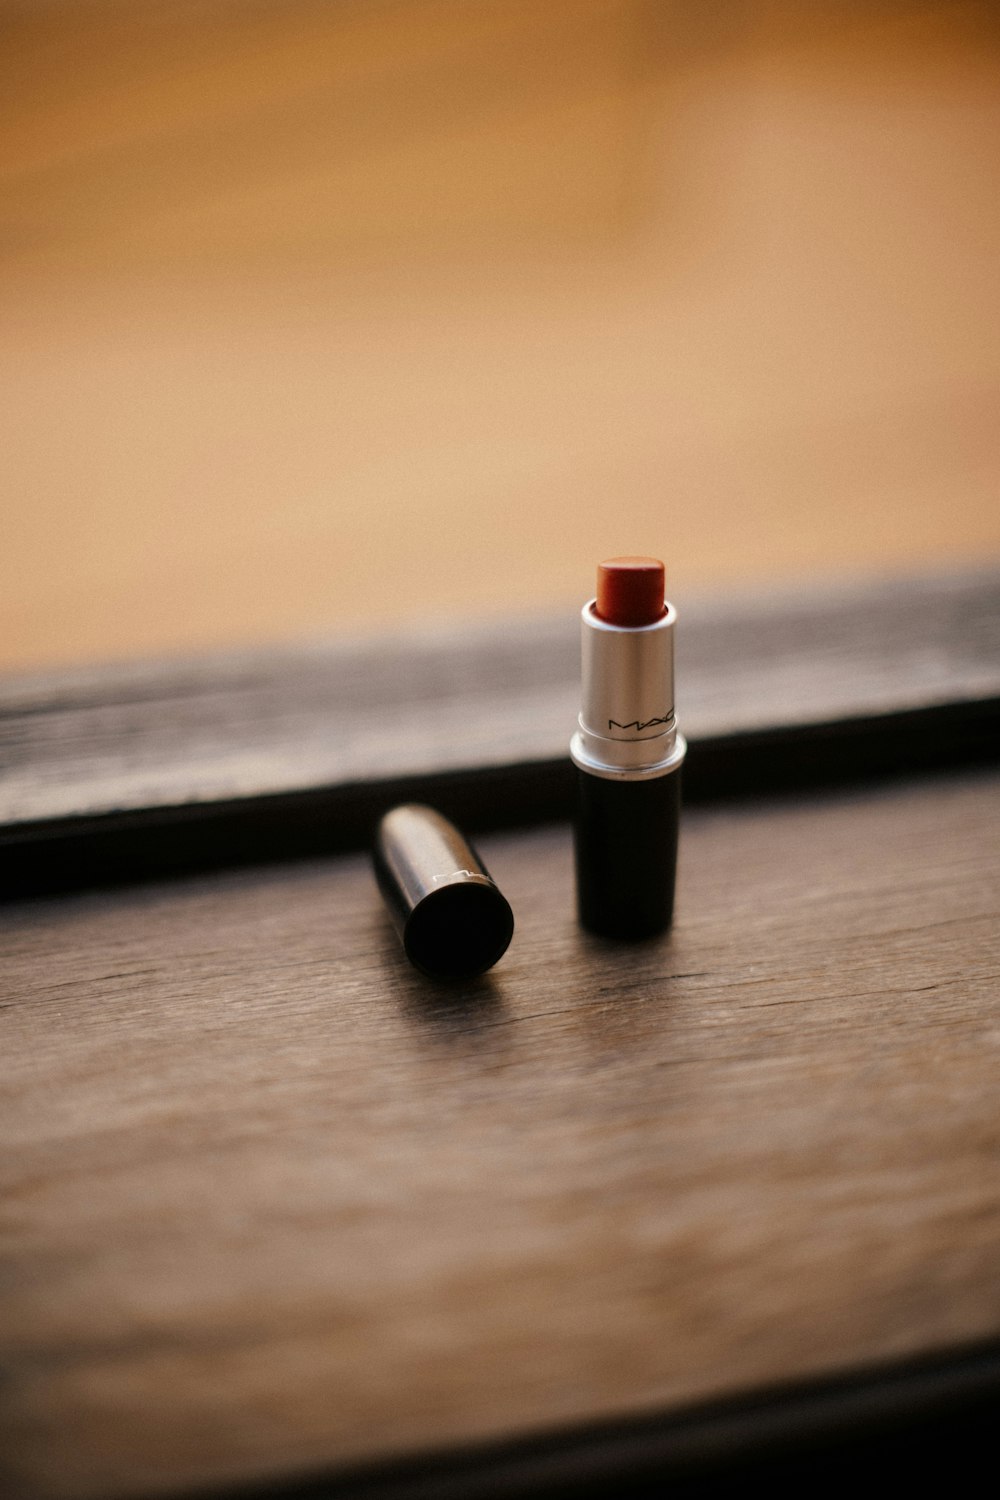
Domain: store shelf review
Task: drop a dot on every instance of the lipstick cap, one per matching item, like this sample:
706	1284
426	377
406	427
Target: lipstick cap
453	920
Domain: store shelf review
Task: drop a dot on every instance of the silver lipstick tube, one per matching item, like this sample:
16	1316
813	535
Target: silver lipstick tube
627	730
628	753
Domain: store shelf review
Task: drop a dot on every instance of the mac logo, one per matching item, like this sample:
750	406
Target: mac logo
639	727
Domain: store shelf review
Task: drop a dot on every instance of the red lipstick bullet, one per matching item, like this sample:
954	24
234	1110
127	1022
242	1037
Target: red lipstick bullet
630	590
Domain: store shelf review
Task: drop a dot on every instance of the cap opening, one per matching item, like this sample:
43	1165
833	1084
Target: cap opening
459	930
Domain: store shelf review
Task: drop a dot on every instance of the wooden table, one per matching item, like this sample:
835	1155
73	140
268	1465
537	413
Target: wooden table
277	1209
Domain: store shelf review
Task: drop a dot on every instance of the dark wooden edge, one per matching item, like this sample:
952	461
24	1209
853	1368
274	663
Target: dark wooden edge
935	1418
141	771
76	853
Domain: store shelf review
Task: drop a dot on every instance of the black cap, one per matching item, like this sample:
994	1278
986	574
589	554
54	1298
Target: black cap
453	920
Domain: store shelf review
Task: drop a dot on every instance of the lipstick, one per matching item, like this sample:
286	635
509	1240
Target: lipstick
628	754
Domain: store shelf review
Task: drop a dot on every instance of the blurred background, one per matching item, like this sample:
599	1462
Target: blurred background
318	316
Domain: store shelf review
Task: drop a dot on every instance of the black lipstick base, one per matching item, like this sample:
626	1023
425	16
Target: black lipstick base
626	853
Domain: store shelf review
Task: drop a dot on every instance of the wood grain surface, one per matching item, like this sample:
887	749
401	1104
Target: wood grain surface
272	1203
